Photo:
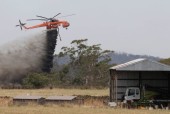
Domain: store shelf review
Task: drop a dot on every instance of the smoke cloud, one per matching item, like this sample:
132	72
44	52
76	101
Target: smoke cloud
33	54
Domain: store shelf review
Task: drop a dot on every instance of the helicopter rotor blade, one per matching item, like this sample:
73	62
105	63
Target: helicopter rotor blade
21	27
66	15
56	15
36	19
42	17
20	22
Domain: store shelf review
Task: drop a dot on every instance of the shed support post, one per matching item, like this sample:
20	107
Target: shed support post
169	85
111	87
140	84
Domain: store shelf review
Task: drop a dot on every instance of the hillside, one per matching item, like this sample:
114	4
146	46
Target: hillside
117	58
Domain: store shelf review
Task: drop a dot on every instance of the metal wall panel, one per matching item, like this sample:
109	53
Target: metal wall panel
131	79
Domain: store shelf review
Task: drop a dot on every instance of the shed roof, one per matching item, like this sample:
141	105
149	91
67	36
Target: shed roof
28	97
61	98
141	64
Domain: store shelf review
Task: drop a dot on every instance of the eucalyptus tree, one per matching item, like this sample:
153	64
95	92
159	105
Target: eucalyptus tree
88	63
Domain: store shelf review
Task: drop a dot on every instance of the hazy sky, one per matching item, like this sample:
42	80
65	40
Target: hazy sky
132	26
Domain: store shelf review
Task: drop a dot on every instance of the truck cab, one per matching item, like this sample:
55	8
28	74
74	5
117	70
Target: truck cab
132	93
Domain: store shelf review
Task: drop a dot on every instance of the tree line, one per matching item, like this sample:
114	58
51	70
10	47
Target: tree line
88	67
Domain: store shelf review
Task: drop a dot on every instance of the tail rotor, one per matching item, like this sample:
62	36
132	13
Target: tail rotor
20	24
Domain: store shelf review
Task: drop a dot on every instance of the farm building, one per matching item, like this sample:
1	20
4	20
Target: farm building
61	99
137	73
25	99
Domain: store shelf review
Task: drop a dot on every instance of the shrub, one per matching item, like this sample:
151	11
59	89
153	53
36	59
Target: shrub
35	80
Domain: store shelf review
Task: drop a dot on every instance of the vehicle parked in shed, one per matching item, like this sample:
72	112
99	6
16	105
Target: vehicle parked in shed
132	93
148	95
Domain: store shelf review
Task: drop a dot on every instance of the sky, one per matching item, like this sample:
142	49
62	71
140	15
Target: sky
132	26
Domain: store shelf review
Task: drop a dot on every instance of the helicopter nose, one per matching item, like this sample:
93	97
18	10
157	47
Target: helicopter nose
66	24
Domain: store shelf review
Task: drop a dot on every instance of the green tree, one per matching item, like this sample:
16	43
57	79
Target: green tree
165	61
89	64
36	80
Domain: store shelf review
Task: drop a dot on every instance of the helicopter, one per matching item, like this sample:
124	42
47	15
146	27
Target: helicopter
49	23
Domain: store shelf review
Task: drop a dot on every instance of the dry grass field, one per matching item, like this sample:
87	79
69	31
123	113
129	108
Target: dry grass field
6	106
56	91
70	109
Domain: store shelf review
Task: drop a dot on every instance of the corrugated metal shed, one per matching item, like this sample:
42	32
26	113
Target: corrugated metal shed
141	65
61	98
138	73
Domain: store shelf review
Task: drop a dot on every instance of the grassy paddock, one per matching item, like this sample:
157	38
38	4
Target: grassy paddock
70	109
55	91
6	106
